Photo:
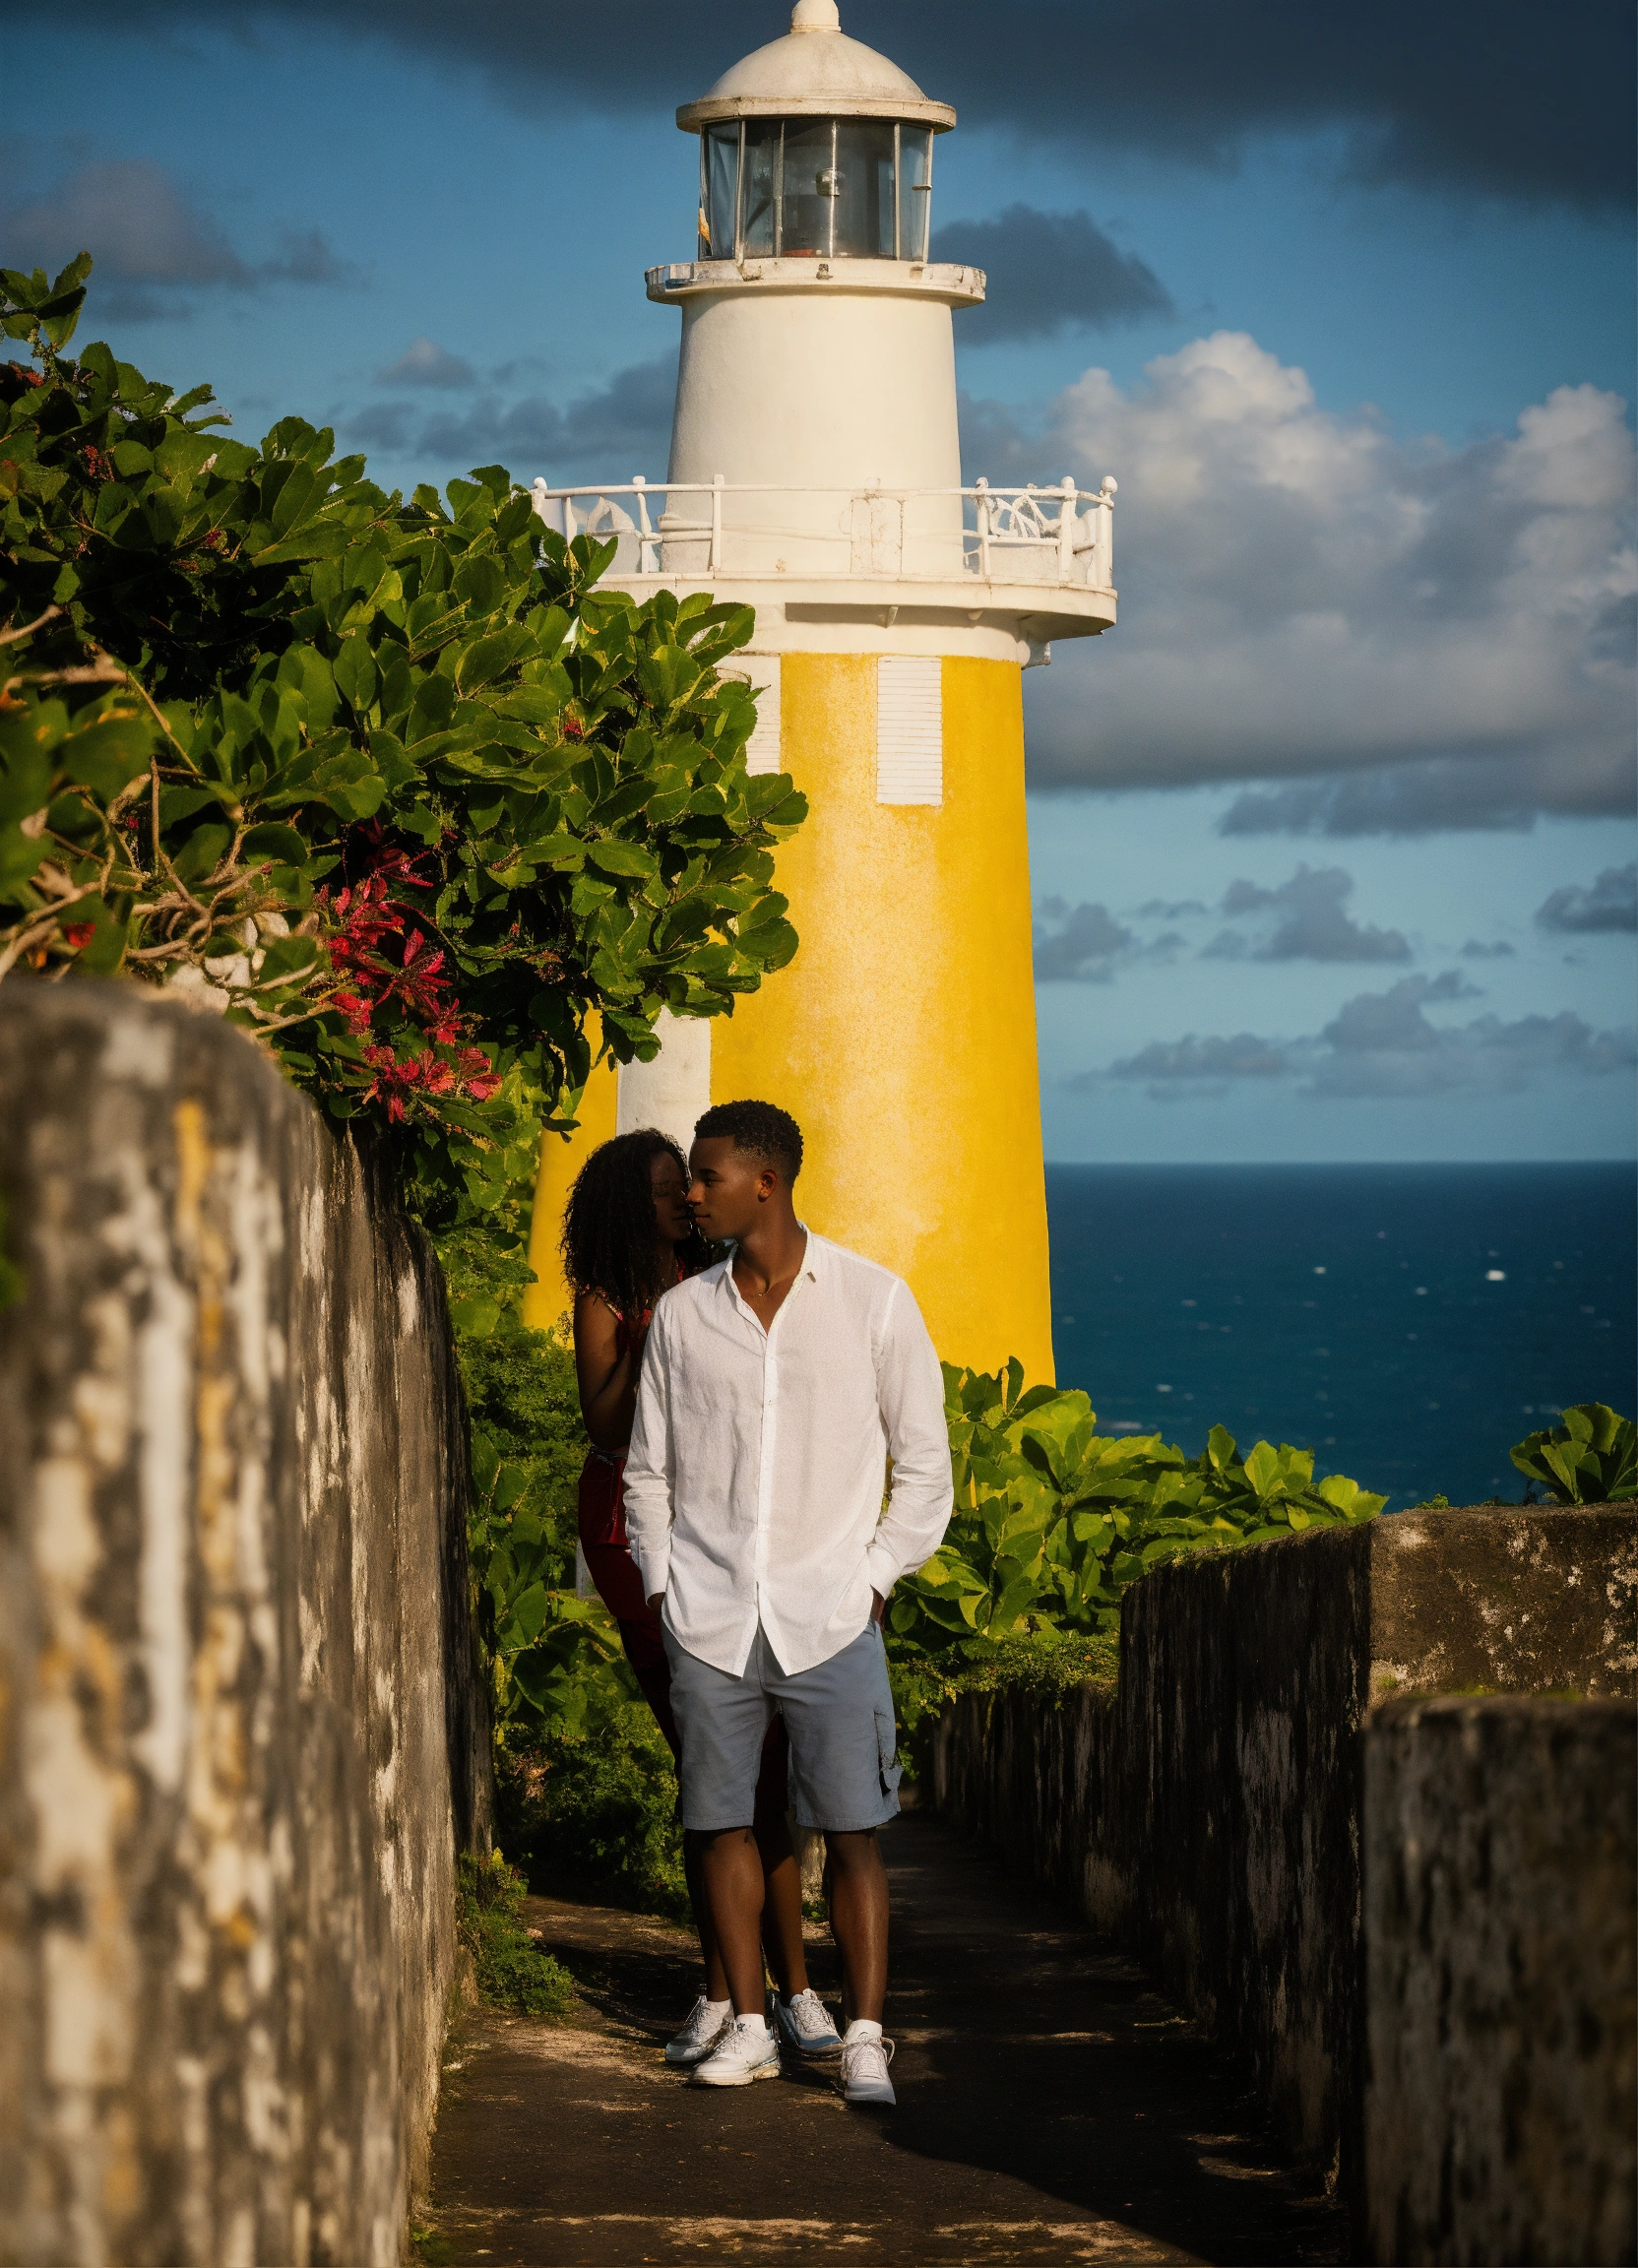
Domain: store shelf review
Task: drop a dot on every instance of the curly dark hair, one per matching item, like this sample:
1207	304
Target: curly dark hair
608	1224
759	1130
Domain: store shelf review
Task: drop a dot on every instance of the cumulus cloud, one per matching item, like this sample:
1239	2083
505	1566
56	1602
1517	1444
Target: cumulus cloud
1511	105
1194	1065
426	363
1313	922
153	245
387	426
1081	943
1384	1046
1475	950
307	256
621	428
1482	795
1611	903
1303	593
1046	273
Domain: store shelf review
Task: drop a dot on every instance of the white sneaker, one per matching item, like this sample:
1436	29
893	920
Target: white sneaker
803	2022
864	2065
706	2023
740	2056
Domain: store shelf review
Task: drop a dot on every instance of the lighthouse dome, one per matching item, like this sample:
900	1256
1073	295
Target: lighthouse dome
815	71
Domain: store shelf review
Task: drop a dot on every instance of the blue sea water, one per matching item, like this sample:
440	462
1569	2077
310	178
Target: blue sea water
1407	1323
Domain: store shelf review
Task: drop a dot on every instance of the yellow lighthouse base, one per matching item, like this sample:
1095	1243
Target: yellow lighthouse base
902	1038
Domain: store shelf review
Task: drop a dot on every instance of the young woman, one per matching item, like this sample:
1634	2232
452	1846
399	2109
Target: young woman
628	1237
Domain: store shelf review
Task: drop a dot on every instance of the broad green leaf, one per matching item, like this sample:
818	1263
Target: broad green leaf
620	858
355	672
281	845
202	852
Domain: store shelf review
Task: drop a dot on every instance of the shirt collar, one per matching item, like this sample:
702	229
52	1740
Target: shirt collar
812	1268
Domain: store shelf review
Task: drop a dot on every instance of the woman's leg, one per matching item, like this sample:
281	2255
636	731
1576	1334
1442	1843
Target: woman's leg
621	1588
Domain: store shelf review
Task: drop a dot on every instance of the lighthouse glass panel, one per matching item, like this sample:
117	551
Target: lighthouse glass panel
807	206
915	191
759	194
722	188
862	188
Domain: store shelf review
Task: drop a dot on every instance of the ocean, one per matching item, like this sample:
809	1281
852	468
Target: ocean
1407	1323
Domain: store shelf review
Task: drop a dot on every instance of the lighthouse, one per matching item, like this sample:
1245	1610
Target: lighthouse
815	476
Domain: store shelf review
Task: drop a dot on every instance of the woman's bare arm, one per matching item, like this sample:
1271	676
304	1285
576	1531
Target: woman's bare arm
607	1378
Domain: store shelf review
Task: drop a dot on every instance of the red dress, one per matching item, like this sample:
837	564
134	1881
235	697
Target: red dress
608	1555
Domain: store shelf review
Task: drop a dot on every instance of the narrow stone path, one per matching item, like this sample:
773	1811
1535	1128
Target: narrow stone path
1052	2109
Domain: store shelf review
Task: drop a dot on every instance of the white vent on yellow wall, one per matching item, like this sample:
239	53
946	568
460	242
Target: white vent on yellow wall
909	730
762	750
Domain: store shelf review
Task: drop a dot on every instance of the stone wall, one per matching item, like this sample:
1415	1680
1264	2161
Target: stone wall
241	1733
1501	1878
1209	1816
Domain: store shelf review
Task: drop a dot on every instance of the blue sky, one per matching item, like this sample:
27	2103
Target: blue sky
1349	312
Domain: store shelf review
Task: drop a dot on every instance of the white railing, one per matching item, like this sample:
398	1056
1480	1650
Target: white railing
720	527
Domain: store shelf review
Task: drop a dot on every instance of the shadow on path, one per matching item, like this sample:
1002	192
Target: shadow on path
1052	2109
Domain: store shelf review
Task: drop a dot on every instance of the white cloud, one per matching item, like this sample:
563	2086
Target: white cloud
625	422
426	363
1384	1046
1611	903
1311	923
1081	943
1304	592
1197	1066
149	238
134	219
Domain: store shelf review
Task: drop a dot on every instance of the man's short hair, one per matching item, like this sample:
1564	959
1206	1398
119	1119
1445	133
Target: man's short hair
759	1130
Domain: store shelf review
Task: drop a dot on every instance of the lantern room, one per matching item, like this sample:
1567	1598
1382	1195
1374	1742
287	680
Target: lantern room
815	188
815	147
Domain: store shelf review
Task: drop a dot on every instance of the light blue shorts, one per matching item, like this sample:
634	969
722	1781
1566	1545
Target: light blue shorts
844	1744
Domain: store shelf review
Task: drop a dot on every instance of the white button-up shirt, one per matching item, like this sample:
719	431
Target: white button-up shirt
754	1482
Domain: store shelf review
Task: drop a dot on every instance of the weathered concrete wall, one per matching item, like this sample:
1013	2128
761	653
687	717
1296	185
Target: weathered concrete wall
240	1732
1501	1885
1210	1816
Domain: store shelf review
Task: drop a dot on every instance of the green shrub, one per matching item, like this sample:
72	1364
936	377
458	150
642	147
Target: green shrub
1052	1520
512	1971
595	1815
527	1441
1591	1459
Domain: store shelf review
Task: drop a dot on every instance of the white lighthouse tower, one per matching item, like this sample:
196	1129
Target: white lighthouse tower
815	476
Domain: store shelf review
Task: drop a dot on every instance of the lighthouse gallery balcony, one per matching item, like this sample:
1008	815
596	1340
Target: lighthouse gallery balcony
1039	558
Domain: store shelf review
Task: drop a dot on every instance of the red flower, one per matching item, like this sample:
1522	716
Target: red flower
401	1081
80	933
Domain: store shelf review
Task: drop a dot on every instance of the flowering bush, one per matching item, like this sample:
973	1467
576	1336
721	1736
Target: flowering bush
390	785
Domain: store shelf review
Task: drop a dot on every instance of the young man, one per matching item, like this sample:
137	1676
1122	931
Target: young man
775	1386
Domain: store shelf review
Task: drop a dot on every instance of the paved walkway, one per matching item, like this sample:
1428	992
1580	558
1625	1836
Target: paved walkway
1052	2109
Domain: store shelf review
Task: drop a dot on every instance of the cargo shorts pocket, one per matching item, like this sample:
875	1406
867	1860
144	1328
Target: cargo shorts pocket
887	1752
